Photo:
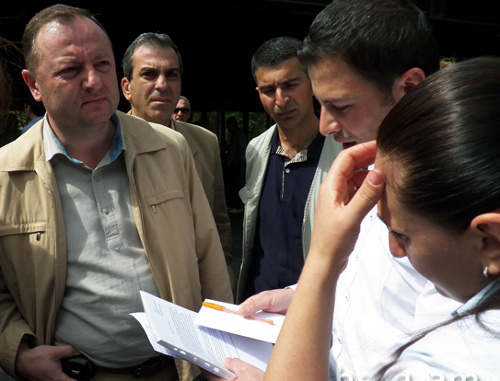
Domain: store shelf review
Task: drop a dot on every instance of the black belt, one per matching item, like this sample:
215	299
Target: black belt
146	369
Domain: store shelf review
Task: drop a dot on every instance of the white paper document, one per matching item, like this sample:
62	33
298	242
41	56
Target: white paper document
239	325
174	329
142	318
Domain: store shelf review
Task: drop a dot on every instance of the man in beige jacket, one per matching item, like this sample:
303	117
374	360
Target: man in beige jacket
96	205
152	68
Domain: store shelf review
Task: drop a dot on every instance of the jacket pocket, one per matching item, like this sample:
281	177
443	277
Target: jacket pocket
23	228
24	254
158	199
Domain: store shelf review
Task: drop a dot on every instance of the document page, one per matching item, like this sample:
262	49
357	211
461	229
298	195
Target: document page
173	327
239	325
143	320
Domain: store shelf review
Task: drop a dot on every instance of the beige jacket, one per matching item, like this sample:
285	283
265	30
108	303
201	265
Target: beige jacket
184	251
204	146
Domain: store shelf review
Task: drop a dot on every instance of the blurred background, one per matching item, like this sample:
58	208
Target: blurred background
217	39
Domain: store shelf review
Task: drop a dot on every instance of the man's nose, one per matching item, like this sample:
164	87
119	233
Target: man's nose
92	79
328	124
281	98
161	82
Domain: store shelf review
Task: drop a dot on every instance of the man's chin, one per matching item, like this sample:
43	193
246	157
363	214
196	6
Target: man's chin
97	117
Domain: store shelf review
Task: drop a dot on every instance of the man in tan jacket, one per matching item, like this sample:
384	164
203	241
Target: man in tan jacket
96	205
152	68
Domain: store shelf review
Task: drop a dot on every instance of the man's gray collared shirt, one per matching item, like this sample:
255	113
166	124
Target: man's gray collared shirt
106	262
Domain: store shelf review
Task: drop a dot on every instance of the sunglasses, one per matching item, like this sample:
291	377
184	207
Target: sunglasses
184	110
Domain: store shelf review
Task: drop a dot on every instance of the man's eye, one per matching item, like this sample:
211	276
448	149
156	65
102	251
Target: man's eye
268	92
292	85
148	75
68	70
341	108
104	63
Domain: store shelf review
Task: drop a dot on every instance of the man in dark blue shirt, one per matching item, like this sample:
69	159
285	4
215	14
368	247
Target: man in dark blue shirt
281	212
282	167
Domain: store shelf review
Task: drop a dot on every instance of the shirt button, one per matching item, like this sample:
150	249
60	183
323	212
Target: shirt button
105	211
287	170
96	178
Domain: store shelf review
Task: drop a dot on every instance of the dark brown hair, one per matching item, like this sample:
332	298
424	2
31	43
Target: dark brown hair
444	137
379	39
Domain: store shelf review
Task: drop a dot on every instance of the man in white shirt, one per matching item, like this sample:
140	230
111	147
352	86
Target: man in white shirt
360	67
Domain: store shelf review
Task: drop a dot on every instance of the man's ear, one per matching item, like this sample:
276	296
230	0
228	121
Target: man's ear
32	84
487	226
407	81
125	84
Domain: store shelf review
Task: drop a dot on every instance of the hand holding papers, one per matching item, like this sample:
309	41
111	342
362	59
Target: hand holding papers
239	325
177	331
218	307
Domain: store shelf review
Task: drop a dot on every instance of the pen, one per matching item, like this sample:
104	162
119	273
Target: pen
222	308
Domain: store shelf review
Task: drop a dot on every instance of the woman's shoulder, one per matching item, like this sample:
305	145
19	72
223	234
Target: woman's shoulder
460	349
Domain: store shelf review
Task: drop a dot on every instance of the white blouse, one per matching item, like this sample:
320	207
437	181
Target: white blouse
467	349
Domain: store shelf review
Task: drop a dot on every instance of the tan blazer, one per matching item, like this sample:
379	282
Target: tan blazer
172	216
206	152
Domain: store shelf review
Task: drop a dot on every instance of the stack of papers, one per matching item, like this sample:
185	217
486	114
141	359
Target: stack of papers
208	337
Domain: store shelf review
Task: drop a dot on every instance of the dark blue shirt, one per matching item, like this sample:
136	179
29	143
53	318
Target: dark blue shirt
278	258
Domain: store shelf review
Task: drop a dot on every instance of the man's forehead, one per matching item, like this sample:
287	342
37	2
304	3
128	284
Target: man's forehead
80	31
334	79
150	50
54	31
151	56
282	73
83	24
331	66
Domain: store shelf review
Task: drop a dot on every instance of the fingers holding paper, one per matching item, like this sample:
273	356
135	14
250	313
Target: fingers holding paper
348	192
276	301
242	370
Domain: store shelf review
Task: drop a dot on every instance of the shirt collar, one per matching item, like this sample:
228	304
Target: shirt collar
53	146
476	299
311	152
